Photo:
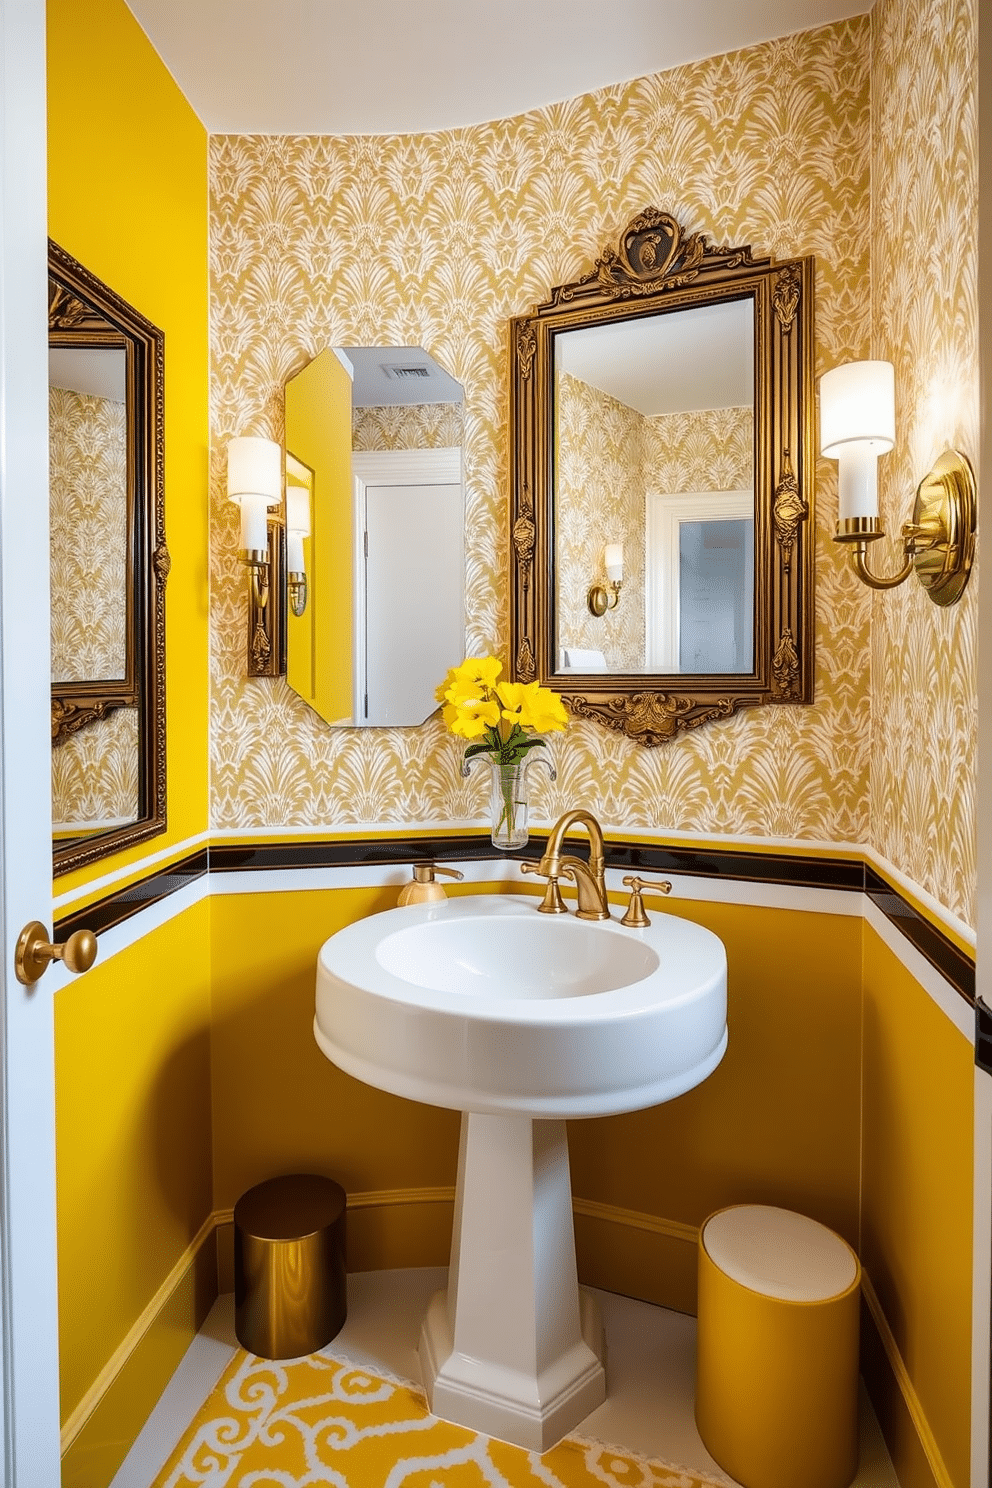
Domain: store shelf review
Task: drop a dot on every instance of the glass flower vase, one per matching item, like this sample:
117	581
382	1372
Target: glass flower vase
509	796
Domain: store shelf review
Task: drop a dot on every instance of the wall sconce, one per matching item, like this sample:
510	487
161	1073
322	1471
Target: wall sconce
600	598
857	424
297	528
254	481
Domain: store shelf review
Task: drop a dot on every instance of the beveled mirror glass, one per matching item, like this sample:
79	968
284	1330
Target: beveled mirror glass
662	484
109	564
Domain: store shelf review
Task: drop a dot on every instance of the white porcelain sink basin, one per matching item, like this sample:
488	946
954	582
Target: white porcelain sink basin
519	1020
483	1004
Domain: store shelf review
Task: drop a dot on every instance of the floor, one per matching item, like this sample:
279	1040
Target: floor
651	1363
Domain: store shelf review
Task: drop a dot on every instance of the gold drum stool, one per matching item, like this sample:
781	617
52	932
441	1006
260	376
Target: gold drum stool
777	1349
289	1271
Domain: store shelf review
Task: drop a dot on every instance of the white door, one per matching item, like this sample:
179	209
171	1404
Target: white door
414	598
29	1419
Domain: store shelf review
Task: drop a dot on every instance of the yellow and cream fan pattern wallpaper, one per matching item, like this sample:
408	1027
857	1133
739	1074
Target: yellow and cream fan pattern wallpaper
407	426
925	279
94	772
599	498
437	240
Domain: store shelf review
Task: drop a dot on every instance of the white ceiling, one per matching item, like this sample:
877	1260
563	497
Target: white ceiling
702	357
396	66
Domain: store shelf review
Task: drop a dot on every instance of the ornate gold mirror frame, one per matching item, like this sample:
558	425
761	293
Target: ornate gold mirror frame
657	268
83	312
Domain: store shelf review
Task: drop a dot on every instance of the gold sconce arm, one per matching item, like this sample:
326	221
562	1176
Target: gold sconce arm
257	563
939	543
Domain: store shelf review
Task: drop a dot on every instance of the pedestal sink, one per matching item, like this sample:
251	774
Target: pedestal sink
519	1020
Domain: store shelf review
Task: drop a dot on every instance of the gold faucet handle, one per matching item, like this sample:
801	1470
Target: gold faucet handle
636	916
552	903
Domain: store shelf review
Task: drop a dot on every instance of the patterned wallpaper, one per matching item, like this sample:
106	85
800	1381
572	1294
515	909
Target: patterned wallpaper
436	241
95	773
709	449
599	462
407	426
88	480
925	277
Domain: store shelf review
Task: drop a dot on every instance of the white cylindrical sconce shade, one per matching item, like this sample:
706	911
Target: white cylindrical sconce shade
254	523
858	402
857	424
295	562
613	562
254	480
298	510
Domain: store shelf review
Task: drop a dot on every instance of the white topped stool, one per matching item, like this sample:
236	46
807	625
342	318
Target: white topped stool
777	1349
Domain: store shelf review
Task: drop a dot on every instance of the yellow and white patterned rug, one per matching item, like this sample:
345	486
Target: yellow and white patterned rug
320	1419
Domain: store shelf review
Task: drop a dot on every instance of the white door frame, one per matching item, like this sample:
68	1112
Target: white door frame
28	1290
409	467
663	515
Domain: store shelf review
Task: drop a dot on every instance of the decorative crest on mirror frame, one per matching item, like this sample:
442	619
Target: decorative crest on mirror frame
85	312
657	267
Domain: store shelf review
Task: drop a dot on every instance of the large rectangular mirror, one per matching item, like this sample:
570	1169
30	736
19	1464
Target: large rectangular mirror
662	484
109	563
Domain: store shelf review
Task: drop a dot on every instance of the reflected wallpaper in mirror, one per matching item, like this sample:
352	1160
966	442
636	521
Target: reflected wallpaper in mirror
654	453
95	770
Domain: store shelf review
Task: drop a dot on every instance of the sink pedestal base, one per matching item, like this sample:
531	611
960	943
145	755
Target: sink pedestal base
512	1348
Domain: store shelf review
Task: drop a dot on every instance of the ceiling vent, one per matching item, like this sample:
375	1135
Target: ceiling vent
398	372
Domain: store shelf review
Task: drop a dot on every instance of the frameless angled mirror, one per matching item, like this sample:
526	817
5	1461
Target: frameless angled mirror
109	564
375	537
662	483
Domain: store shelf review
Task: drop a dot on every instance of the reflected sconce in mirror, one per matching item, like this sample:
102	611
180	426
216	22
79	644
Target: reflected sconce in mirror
297	528
857	425
600	597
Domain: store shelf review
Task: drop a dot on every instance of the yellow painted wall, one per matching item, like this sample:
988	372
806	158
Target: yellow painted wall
132	1064
770	1124
278	1105
128	197
318	433
778	1121
916	1230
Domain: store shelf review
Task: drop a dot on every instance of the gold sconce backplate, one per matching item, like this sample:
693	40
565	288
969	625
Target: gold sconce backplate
945	512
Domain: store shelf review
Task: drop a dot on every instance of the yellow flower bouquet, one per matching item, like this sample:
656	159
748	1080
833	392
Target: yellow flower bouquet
503	721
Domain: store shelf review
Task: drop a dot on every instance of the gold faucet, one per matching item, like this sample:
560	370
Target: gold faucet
589	878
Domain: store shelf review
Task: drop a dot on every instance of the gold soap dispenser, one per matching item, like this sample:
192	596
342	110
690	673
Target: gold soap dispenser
423	888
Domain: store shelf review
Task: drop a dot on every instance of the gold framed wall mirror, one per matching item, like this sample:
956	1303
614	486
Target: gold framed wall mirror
109	565
662	484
